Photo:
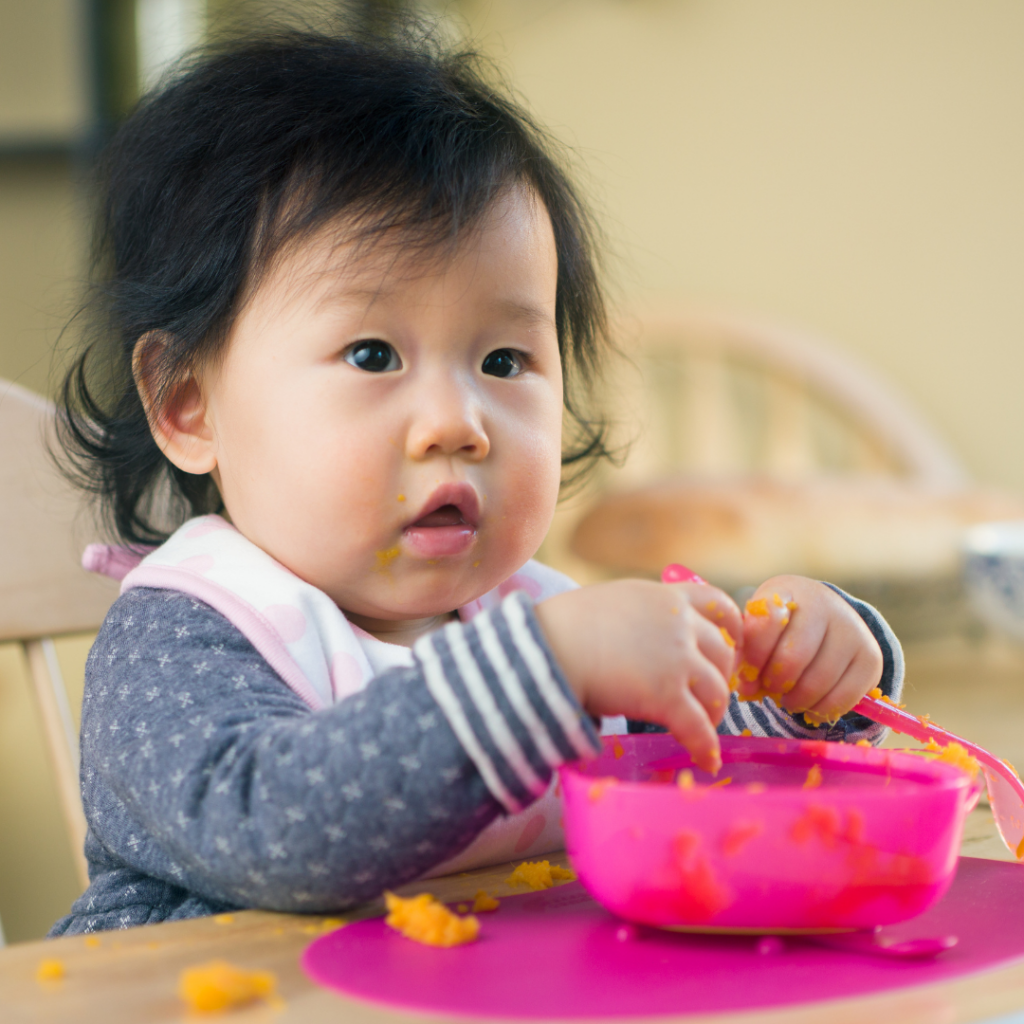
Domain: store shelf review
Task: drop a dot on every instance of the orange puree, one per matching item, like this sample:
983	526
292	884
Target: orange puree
813	780
50	970
727	636
738	835
758	608
483	902
955	755
617	748
539	874
218	985
423	919
596	790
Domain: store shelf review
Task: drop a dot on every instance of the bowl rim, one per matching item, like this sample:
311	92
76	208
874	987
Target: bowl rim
927	773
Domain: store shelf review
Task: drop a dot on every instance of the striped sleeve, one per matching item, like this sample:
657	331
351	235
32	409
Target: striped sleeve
506	700
766	718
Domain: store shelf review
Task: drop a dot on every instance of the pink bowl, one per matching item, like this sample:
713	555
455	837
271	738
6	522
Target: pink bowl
874	843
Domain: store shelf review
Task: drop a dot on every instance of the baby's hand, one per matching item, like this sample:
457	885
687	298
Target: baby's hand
651	651
805	647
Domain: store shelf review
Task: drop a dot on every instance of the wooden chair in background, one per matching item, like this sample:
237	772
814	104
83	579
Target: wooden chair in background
759	451
44	592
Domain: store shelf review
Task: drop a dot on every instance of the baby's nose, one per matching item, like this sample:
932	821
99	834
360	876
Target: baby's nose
447	421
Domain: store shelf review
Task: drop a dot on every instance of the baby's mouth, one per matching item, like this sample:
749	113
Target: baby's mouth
446	515
446	524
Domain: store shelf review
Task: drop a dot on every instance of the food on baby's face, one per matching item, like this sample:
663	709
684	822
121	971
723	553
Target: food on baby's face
218	985
539	874
423	919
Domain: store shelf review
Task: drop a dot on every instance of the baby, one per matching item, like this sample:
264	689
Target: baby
348	300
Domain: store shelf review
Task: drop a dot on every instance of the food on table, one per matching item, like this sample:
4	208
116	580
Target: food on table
50	970
423	919
539	874
813	779
218	985
483	902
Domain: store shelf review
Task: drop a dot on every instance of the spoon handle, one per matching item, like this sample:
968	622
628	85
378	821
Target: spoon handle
1005	791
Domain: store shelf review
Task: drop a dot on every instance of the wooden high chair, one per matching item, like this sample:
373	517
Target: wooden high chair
44	592
760	450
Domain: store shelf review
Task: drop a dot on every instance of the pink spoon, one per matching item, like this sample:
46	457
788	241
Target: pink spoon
1005	791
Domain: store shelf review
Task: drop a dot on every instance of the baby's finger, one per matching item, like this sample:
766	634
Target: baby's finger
784	667
708	684
718	608
766	616
690	725
861	674
814	684
715	643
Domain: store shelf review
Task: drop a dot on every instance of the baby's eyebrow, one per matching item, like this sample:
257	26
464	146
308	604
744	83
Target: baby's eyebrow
524	312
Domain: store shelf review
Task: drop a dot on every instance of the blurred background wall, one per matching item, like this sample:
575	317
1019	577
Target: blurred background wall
852	167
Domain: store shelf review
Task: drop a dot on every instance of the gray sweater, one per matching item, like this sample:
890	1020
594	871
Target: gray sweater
208	785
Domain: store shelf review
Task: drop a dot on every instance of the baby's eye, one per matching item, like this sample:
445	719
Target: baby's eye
373	356
503	362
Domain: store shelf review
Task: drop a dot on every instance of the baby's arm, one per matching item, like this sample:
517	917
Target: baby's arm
202	769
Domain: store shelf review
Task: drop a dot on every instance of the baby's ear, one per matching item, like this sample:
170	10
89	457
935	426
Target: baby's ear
176	408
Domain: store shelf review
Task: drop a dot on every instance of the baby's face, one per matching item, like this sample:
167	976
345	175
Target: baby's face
389	427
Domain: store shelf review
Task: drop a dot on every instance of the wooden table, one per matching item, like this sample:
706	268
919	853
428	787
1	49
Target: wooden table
132	975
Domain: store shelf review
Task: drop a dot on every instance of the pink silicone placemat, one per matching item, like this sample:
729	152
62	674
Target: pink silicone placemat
555	954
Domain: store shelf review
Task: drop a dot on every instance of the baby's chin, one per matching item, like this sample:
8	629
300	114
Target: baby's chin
394	593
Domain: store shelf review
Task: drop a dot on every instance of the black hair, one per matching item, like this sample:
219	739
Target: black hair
260	142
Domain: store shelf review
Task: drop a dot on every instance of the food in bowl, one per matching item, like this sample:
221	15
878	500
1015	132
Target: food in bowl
873	841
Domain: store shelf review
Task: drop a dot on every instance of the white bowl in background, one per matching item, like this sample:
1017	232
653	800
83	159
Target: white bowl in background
994	574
